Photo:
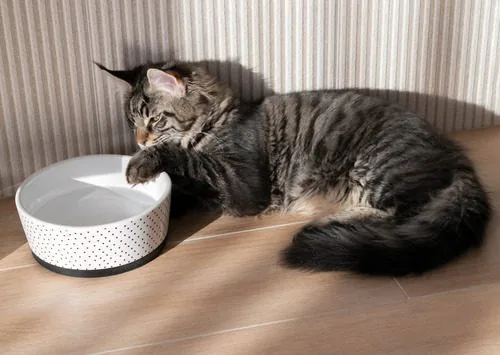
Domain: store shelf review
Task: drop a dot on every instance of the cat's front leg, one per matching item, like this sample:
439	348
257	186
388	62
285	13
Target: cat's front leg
239	186
144	166
150	162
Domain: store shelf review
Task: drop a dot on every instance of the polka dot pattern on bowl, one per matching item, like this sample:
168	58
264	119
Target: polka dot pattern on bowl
99	247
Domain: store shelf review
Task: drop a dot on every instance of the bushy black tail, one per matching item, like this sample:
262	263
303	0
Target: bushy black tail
451	223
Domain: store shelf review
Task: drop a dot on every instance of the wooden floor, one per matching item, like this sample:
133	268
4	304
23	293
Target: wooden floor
218	289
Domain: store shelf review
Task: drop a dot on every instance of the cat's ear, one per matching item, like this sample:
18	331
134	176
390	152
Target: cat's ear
166	82
127	77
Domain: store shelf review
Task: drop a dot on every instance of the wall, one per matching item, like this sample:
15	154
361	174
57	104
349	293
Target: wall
440	58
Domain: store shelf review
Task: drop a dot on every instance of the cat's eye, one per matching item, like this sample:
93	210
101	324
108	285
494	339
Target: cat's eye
155	119
161	125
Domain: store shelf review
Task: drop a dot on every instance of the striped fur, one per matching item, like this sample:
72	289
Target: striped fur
411	199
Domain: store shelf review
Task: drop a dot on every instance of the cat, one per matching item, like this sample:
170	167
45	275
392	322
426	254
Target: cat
410	198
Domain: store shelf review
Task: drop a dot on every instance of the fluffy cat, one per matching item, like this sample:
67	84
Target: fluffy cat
410	198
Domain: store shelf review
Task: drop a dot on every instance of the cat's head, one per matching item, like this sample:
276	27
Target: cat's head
176	103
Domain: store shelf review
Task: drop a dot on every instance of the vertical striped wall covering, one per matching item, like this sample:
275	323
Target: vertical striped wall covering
438	57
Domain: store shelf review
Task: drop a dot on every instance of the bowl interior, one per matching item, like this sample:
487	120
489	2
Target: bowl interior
89	191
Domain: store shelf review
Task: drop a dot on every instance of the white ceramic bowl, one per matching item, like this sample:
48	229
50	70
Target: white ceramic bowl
81	218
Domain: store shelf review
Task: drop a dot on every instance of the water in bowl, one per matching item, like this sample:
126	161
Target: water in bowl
93	205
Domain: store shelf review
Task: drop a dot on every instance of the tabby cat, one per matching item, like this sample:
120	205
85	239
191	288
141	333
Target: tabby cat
410	199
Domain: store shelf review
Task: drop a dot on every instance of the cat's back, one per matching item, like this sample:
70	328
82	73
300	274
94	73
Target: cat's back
346	123
325	103
314	115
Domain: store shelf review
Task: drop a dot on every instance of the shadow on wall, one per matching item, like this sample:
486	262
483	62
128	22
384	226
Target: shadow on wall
446	114
246	83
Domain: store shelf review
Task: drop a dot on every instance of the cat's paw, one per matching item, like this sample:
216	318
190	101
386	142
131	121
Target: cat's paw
142	168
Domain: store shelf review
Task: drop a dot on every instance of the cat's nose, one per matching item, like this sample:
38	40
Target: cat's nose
141	136
144	138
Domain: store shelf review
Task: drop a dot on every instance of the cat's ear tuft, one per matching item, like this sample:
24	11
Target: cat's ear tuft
127	77
166	82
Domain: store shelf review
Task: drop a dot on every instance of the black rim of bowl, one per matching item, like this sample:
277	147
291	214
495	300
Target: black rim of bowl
103	272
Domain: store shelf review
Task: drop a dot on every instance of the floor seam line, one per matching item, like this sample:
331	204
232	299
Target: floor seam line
401	288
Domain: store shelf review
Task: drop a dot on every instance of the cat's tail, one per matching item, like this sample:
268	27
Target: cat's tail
371	243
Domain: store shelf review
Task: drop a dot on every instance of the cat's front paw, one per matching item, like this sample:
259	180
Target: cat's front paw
142	168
